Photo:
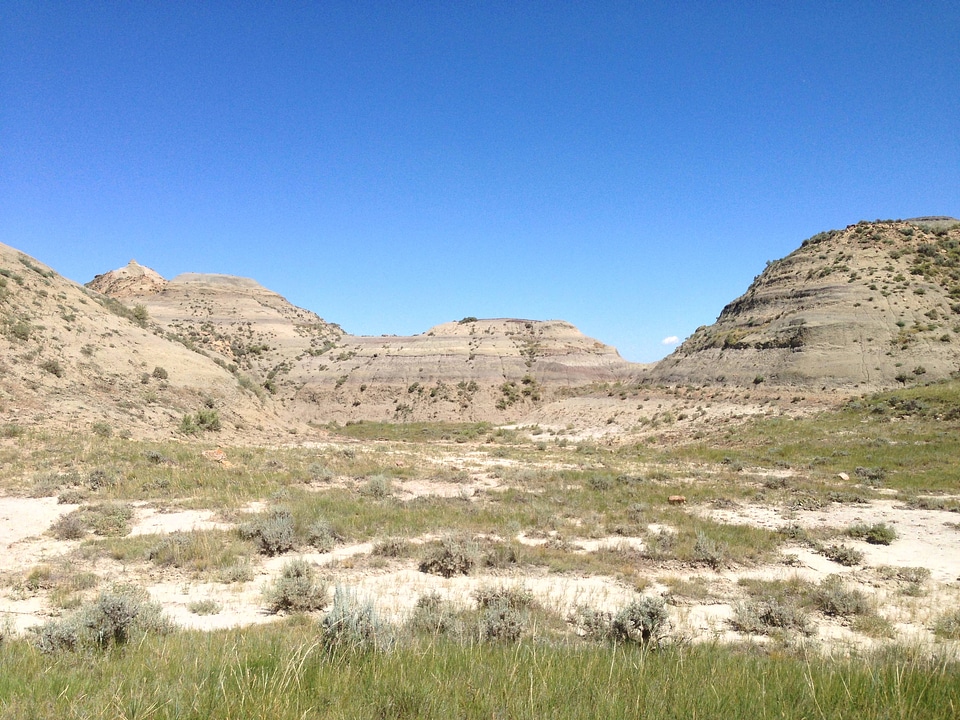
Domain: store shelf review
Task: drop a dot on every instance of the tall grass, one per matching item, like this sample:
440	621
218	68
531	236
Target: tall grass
284	671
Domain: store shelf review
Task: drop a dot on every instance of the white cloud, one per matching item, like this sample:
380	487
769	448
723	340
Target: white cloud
672	340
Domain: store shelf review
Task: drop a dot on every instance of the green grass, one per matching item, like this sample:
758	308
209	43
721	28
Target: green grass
415	432
911	437
282	671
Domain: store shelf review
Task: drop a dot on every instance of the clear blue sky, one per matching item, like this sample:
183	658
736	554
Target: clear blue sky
628	167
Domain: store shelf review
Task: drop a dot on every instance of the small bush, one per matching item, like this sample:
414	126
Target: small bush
641	621
432	616
205	607
109	520
69	527
709	551
102	429
513	597
160	373
238	572
12	430
53	367
876	534
451	557
321	535
762	617
948	625
392	547
111	620
274	534
659	546
353	626
298	589
71	497
377	487
500	622
843	554
100	478
832	598
139	315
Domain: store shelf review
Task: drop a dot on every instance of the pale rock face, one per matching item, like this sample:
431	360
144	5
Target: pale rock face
861	306
130	280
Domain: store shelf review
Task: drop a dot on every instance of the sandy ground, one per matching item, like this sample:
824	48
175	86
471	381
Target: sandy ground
926	538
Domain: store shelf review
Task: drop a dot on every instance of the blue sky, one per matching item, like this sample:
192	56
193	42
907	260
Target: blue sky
629	167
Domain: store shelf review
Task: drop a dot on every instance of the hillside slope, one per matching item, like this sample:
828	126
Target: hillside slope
875	304
72	358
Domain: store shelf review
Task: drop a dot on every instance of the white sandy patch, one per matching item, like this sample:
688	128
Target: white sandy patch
924	539
152	521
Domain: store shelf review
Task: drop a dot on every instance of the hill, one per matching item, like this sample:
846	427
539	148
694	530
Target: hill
875	304
471	369
71	357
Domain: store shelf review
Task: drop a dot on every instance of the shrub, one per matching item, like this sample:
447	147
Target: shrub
203	420
274	534
948	625
843	554
111	620
659	546
377	487
298	589
876	534
240	571
139	315
761	617
321	535
451	557
205	607
100	478
108	519
392	547
642	621
102	429
352	625
53	367
69	527
432	615
208	419
501	622
160	373
832	598
709	551
517	598
12	430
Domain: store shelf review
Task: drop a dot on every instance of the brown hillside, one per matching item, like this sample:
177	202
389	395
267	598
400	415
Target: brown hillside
71	358
874	304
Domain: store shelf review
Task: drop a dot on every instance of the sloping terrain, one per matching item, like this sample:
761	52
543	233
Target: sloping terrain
496	370
73	358
875	304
